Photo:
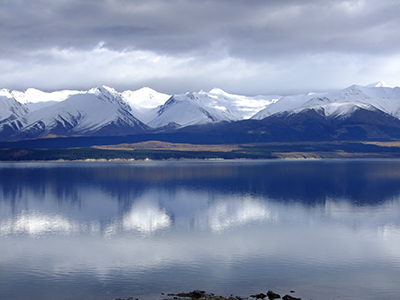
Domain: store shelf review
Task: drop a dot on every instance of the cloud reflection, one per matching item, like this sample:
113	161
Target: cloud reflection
38	224
195	211
224	215
145	217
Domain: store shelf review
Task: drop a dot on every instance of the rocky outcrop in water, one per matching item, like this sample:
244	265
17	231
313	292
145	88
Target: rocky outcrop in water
271	295
202	295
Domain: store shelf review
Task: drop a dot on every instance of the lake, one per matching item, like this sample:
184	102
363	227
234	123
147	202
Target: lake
327	229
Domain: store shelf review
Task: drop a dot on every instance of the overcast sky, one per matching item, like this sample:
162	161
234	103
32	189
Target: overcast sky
246	47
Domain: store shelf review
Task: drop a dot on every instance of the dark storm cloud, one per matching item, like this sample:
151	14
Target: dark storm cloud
256	31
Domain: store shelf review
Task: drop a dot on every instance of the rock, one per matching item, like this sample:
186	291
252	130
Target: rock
259	296
288	297
271	295
196	294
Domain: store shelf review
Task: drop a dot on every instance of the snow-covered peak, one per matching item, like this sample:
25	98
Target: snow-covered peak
221	93
333	109
5	93
144	91
218	91
108	94
144	98
354	92
33	95
377	84
339	102
9	106
205	107
103	89
344	110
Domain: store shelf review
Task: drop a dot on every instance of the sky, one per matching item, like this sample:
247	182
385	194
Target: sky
173	46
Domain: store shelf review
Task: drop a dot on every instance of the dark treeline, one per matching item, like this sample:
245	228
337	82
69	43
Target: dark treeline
266	151
94	153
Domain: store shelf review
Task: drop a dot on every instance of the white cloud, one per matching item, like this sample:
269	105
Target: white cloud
243	47
61	68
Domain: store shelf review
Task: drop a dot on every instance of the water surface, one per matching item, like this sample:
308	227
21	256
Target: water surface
326	229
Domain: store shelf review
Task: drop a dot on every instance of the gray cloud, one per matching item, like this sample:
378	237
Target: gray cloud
266	41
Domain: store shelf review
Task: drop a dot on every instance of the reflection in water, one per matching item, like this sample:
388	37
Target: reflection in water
38	224
145	217
109	230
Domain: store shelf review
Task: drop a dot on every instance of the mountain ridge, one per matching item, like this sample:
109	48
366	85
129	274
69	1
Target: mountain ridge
356	112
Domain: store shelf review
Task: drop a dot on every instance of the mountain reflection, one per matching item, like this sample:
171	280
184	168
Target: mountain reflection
147	197
359	182
99	211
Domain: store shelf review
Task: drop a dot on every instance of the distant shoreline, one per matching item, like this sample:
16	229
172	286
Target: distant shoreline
162	151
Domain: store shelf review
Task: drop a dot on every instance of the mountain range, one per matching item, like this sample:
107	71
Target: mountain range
355	113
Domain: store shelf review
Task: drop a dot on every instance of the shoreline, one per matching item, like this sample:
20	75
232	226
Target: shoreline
295	156
280	157
162	151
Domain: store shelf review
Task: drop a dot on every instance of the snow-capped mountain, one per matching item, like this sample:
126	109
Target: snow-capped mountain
104	111
202	107
10	108
99	111
145	102
80	112
32	95
145	98
339	103
35	99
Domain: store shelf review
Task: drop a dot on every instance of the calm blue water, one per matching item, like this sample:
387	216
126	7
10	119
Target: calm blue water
325	229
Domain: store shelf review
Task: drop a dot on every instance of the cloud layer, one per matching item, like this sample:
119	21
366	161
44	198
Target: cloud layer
248	47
